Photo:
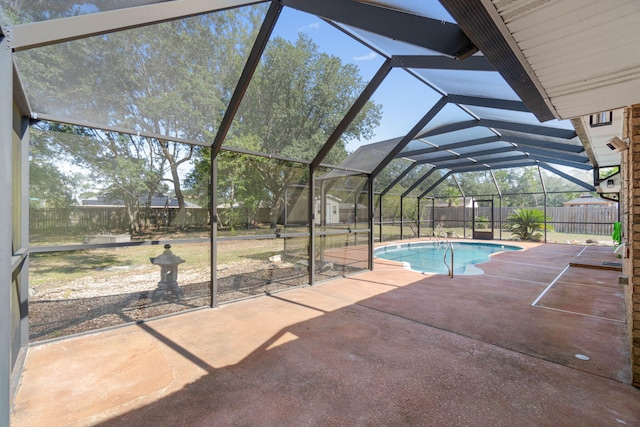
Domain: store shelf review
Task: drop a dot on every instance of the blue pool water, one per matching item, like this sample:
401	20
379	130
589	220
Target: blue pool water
428	256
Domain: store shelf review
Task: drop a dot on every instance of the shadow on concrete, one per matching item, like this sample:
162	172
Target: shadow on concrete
389	347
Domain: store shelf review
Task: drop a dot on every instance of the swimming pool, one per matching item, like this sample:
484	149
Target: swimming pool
428	256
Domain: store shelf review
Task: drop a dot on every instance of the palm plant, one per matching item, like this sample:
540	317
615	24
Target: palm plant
527	224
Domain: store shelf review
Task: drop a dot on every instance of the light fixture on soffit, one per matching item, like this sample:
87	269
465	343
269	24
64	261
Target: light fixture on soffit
616	144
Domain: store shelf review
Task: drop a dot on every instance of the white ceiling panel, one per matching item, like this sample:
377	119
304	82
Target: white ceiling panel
581	52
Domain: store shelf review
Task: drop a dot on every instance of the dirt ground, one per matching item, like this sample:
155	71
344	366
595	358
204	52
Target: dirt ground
83	305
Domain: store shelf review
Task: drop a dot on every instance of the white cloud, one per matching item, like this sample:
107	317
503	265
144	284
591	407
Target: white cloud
309	28
368	57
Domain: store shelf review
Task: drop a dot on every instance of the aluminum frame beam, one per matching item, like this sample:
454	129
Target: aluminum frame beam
501	104
467	161
6	229
527	128
442	102
465	157
453	146
542	147
543	143
501	124
496	166
44	33
570	157
568	177
247	73
398	179
438	182
538	154
557	161
19	95
467	124
440	36
476	21
419	181
473	63
355	109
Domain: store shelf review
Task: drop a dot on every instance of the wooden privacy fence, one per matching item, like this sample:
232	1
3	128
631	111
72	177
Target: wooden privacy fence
104	219
583	219
575	220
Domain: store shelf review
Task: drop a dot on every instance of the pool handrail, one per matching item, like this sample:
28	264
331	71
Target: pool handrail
444	258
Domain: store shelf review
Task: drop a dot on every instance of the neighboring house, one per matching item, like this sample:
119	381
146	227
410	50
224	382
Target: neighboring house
159	201
588	200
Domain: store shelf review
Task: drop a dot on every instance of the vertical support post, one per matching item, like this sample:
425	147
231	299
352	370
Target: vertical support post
6	228
22	215
371	220
544	189
214	228
545	217
381	217
312	225
501	219
464	217
433	215
401	218
419	219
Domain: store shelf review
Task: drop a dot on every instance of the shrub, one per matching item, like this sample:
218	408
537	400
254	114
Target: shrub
527	224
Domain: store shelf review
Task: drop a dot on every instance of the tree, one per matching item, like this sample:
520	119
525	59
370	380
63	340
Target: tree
173	80
48	185
122	166
296	98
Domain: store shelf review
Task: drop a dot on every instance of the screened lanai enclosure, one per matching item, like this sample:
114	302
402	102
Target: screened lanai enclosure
266	145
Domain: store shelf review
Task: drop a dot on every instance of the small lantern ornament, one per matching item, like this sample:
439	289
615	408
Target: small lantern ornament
168	263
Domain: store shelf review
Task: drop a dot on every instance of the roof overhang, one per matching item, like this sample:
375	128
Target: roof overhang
565	59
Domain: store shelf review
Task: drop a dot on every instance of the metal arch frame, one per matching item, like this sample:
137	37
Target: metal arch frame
401	27
30	35
387	22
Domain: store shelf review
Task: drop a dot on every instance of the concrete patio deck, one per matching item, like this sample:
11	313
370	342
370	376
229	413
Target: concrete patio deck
384	348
